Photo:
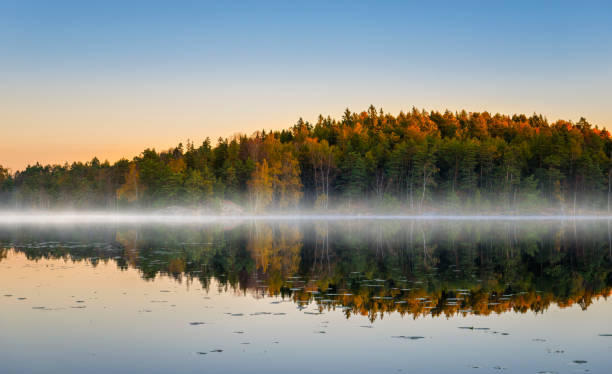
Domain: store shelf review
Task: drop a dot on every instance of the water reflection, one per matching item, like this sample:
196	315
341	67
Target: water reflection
358	267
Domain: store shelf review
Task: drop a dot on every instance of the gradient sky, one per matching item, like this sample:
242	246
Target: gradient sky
108	79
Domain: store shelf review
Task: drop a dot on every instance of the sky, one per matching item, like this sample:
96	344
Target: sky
109	79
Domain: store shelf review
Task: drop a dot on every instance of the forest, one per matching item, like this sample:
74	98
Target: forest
415	162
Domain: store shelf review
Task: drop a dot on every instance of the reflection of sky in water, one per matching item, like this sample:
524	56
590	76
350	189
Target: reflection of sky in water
130	325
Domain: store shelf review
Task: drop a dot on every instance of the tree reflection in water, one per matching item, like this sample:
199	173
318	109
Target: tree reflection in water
358	267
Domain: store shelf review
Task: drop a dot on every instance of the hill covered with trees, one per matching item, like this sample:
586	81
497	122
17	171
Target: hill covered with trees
418	161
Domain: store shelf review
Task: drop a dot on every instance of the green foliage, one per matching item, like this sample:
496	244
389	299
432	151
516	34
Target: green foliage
423	160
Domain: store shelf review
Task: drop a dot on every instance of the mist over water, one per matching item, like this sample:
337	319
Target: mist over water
83	217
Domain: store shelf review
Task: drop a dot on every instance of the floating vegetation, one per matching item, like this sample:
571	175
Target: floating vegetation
555	351
259	313
408	337
579	362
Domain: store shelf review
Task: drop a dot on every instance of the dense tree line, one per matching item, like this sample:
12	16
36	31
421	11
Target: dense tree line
415	161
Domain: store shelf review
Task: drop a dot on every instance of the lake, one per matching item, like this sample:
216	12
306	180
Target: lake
303	296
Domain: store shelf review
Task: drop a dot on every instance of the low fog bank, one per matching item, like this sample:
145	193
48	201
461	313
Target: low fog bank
193	217
340	209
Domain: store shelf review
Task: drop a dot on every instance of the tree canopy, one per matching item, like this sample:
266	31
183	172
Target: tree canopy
416	161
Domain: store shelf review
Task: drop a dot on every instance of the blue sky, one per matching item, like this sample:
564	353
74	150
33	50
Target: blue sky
79	79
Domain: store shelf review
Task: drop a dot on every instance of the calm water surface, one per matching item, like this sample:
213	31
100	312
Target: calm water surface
274	297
